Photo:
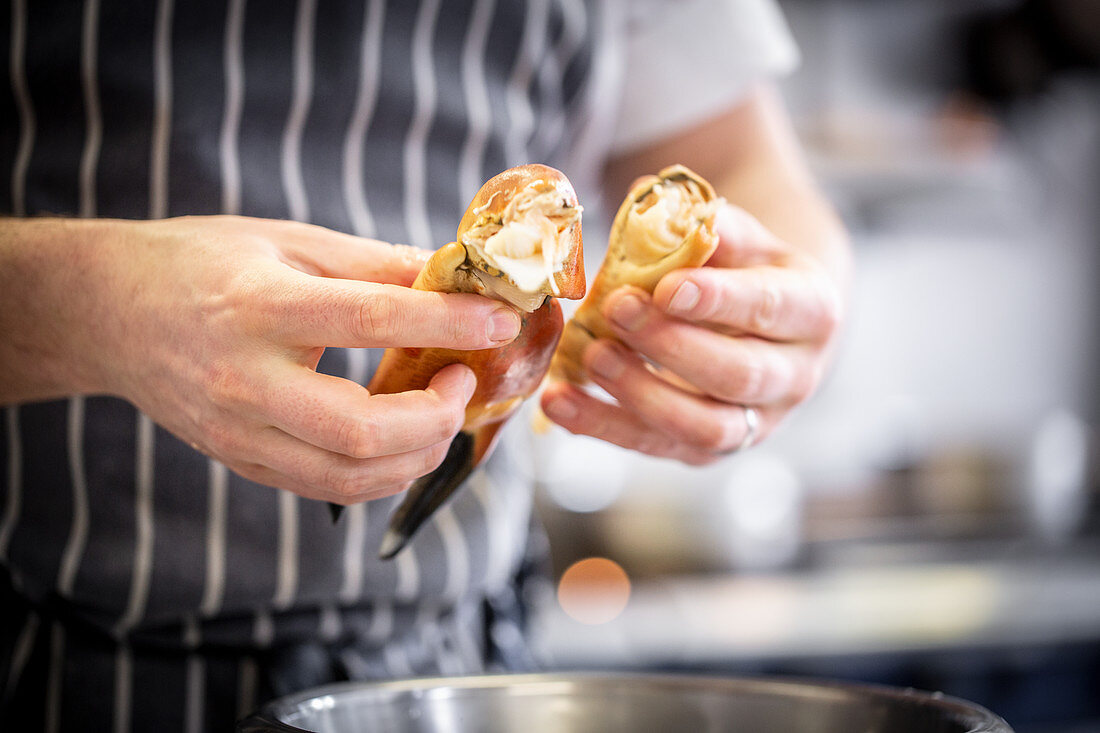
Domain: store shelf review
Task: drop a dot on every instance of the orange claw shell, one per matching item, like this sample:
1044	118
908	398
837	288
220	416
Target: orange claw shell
519	218
666	222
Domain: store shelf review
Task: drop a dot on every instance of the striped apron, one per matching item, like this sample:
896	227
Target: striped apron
142	585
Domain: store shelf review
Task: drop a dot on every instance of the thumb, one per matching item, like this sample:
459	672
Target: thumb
742	240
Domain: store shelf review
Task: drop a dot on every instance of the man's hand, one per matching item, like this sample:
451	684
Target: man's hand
213	326
751	328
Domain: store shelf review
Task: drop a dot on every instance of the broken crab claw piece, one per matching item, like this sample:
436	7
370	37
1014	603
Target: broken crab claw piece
519	242
666	222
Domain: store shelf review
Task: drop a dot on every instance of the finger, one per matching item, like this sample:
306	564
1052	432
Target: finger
582	414
339	415
281	460
325	252
743	241
702	423
739	370
777	303
315	311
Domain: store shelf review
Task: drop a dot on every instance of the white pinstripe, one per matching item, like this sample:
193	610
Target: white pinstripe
196	679
497	544
381	623
287	580
214	580
263	629
520	114
234	101
293	184
246	686
396	660
263	633
370	62
162	113
124	674
467	647
329	625
229	156
552	123
408	575
78	532
14	504
587	131
294	187
21	652
355	538
448	662
18	76
143	529
23	102
158	209
479	113
196	694
455	548
93	135
357	365
416	195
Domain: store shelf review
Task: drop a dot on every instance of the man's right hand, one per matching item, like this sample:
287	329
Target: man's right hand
213	327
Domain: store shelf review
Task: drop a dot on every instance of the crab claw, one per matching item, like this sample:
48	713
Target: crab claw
519	242
665	223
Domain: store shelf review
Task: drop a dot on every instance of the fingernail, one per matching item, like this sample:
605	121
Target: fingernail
606	362
561	408
685	298
503	325
470	386
628	313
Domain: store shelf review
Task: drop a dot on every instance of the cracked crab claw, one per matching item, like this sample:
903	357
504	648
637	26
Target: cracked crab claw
665	223
519	242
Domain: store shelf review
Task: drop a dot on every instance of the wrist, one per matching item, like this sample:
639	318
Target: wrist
53	295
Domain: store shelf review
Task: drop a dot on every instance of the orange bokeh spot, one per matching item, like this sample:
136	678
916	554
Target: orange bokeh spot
594	590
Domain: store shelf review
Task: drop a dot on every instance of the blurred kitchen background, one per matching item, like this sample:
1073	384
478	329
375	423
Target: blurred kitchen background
932	517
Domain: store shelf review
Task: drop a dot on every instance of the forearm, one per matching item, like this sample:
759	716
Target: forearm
48	308
796	212
754	160
772	182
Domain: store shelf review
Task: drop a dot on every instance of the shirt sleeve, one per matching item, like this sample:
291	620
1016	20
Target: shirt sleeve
687	60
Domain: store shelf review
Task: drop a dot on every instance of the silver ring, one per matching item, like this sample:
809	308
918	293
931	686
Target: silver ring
752	427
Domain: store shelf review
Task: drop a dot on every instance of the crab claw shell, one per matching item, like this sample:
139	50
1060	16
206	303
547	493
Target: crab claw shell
532	198
506	375
491	203
666	222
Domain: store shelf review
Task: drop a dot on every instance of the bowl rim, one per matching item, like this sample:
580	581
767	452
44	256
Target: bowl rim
977	717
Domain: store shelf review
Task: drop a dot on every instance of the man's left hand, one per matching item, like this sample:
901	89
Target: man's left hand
753	328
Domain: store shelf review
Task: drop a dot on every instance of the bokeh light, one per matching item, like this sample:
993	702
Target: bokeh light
594	590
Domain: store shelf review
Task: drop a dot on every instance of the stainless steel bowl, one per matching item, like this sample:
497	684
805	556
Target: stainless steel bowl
599	703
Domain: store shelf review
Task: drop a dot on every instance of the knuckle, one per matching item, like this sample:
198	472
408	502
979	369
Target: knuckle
218	437
745	383
454	421
224	385
433	458
356	438
710	435
375	317
766	310
831	313
339	481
